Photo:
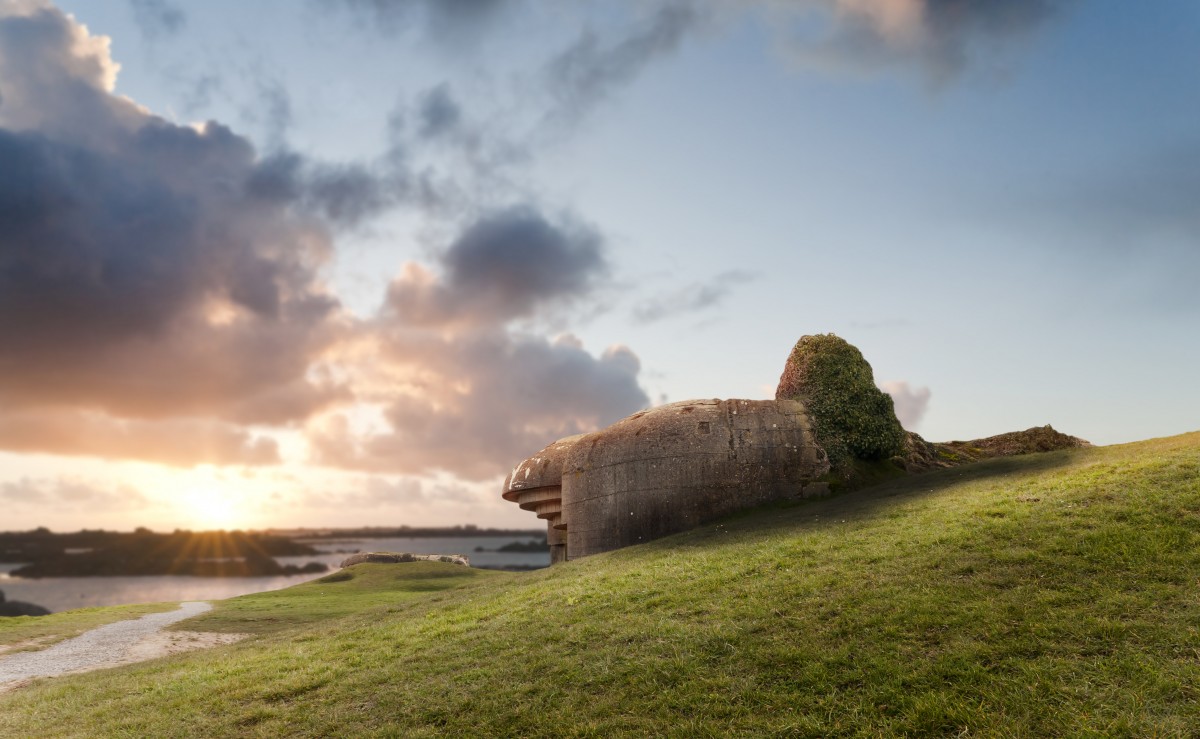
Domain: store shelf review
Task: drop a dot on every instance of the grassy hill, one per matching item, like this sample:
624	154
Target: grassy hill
1053	594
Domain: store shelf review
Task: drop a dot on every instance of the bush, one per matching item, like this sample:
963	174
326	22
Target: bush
853	418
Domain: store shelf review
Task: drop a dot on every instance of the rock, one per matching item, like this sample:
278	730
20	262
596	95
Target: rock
13	608
924	455
399	557
853	419
1029	441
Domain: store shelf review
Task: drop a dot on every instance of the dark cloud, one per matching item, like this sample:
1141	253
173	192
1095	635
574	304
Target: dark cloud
448	21
140	275
691	298
344	195
438	113
159	285
180	443
507	265
158	18
461	390
592	68
911	403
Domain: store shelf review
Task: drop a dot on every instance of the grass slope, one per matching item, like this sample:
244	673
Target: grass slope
1054	594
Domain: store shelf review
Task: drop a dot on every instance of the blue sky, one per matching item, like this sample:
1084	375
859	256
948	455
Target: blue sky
472	227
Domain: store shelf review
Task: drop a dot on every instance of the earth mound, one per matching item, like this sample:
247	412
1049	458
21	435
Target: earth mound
924	455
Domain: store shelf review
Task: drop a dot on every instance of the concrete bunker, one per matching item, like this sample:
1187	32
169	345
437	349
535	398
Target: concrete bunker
536	485
665	470
678	466
672	468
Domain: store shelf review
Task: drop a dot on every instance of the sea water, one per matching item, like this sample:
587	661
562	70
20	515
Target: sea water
66	593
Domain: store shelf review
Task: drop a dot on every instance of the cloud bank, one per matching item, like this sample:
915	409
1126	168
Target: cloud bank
462	387
161	294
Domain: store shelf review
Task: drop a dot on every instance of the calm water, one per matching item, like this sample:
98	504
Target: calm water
65	593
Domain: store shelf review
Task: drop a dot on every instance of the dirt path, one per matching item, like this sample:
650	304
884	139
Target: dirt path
115	644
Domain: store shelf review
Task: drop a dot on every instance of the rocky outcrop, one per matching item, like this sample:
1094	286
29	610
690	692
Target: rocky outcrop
398	557
921	455
13	608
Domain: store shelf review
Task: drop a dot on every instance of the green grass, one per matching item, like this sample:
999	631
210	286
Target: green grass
362	589
1048	595
24	633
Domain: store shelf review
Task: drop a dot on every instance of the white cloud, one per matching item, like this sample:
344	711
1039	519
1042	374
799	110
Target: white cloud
910	402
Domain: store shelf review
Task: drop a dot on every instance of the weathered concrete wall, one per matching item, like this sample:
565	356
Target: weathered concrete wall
557	538
536	485
677	466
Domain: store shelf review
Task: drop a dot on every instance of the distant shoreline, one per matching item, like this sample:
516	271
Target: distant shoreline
325	533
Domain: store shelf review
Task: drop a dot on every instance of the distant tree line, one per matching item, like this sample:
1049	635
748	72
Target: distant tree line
144	552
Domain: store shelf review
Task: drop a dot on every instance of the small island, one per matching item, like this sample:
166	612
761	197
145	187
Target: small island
16	608
144	552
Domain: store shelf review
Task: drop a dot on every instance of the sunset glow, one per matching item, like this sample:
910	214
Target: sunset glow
345	263
211	509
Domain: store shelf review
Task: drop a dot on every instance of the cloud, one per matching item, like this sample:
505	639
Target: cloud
343	195
177	442
376	492
461	389
453	159
910	403
70	493
508	264
691	298
473	404
160	290
158	18
142	275
591	69
438	112
456	22
272	109
942	36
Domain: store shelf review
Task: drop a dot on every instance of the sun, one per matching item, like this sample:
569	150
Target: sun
208	508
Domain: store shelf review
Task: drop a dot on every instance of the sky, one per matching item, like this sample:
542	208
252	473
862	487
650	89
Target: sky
346	262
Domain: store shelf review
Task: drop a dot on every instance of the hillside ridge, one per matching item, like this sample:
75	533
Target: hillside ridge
1037	595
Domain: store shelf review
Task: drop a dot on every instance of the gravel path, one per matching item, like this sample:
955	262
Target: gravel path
107	646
